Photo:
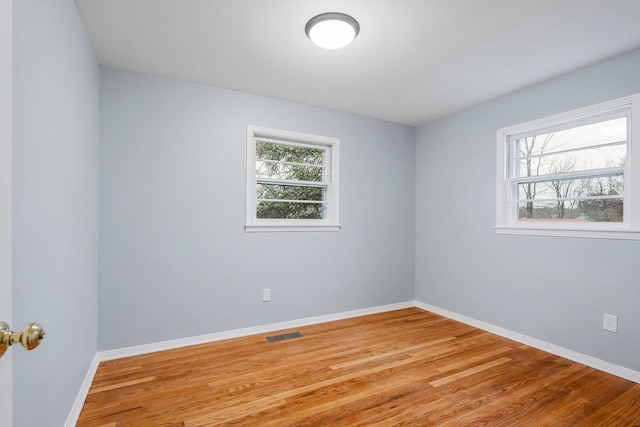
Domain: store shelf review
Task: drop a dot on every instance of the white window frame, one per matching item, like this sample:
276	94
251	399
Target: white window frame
331	183
506	216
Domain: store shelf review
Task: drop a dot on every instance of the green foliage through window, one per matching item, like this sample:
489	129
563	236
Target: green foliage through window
288	178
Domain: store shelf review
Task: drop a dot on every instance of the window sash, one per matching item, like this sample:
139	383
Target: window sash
514	141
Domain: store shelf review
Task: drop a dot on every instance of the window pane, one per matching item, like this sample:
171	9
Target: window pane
267	169
608	210
587	159
604	132
289	153
290	210
572	188
289	192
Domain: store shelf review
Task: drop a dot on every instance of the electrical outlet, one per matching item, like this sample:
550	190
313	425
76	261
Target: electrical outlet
266	295
610	322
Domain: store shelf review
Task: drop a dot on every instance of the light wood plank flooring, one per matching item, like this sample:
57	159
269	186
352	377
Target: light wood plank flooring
405	367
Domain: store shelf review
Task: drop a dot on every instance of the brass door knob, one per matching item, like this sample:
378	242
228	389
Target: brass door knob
29	337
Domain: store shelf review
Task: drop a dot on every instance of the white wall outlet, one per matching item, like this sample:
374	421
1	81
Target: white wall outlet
266	295
610	322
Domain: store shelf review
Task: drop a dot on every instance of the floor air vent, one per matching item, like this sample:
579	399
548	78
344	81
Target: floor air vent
284	337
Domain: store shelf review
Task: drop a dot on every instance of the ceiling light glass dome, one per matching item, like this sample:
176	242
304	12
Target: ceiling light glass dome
332	30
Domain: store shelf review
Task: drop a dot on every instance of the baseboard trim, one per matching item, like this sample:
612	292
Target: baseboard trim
236	333
72	419
619	371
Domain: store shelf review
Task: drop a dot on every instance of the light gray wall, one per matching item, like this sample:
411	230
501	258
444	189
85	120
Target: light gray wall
554	289
55	206
175	260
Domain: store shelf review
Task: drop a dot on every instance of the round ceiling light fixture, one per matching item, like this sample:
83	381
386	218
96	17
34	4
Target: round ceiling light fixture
332	30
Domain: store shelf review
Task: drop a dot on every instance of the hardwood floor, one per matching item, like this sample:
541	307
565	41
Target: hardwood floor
405	367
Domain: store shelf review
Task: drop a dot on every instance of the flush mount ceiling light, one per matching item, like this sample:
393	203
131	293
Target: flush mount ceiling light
332	30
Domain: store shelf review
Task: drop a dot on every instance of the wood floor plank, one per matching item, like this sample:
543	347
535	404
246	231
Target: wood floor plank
467	372
403	367
122	384
624	407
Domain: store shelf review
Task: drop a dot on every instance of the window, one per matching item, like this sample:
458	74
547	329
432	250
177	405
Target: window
572	174
292	181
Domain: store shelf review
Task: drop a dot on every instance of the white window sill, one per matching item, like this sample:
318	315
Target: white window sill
563	232
279	228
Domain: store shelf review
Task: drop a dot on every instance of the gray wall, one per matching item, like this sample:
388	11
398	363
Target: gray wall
551	288
55	206
175	260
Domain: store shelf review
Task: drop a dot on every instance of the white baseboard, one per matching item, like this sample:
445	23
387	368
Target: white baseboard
72	419
236	333
584	359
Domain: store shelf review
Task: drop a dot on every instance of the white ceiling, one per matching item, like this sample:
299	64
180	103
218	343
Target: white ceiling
413	61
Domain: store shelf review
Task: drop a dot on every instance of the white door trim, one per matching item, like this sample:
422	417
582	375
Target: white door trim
6	110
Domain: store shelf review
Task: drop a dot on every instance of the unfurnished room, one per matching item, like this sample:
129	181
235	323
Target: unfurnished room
319	213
